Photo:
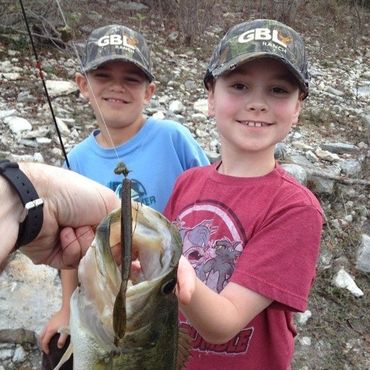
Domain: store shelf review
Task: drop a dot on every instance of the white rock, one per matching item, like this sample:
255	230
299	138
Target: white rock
17	124
176	107
59	88
198	117
326	155
343	280
305	341
159	115
35	298
7	113
12	76
37	157
201	106
301	145
43	140
303	317
163	99
6	354
19	355
63	128
363	257
311	156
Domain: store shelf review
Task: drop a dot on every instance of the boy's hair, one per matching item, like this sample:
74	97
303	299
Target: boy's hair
255	39
116	42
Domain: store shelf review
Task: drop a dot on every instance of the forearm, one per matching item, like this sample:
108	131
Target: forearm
10	214
215	317
218	317
69	280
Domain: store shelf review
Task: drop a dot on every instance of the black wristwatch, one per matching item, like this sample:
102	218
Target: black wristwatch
33	213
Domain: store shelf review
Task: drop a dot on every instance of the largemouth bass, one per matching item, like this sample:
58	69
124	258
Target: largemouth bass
150	339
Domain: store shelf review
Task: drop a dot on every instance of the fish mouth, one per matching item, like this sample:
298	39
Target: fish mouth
153	254
151	247
116	314
254	123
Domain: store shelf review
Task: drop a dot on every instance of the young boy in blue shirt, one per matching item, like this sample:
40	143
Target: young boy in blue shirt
117	81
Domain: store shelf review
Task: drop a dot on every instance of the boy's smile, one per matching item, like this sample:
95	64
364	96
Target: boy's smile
117	92
254	123
254	106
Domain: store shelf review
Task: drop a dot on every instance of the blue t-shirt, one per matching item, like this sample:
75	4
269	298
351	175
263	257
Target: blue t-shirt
159	152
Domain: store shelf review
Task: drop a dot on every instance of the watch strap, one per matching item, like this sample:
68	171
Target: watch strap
33	213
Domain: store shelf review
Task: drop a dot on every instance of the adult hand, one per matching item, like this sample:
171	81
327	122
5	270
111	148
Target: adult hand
70	200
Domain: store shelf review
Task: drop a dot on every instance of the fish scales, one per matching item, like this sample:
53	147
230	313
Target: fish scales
151	335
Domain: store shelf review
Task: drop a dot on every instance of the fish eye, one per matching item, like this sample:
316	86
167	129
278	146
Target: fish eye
169	286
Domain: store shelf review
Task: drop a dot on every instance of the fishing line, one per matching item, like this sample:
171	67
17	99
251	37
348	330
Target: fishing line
126	215
113	146
41	74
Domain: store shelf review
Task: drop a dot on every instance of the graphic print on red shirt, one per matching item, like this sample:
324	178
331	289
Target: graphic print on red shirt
213	246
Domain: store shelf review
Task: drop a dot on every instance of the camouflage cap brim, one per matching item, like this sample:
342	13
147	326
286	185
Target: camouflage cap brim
109	58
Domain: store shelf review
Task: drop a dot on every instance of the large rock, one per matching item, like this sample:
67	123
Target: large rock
29	295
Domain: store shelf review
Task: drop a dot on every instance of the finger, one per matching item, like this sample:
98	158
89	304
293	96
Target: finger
186	281
42	333
135	266
44	342
62	340
182	295
85	235
74	243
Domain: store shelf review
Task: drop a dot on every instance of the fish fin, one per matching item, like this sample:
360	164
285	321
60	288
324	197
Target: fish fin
67	354
184	348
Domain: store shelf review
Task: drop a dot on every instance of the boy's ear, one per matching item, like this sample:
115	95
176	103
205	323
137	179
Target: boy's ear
297	111
82	84
149	92
211	103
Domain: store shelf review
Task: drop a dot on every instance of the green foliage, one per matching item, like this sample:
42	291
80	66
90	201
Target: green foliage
19	43
140	18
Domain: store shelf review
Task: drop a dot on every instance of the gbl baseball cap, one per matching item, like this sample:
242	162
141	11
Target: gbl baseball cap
116	42
260	38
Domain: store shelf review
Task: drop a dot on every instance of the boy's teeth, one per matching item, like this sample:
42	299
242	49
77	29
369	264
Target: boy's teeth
114	100
253	124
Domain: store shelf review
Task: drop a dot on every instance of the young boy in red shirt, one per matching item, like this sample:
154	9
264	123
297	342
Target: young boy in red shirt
251	232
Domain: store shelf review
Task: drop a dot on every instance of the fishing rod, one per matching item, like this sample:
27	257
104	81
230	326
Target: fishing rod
41	74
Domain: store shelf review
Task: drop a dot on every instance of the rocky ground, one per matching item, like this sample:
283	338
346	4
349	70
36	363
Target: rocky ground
328	151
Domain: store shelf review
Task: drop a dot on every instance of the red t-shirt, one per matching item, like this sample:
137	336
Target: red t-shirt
262	233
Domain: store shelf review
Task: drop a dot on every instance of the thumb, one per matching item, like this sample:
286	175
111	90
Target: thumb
62	340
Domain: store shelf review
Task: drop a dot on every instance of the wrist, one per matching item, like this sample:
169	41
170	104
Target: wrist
13	205
10	214
31	218
65	308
